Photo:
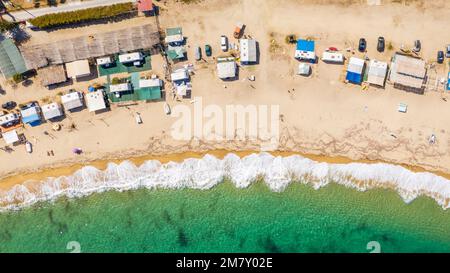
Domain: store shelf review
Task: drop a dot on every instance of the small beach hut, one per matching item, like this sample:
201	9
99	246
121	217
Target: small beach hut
408	73
355	70
31	115
72	101
95	101
52	75
226	68
10	137
248	51
52	111
145	6
305	50
78	69
377	72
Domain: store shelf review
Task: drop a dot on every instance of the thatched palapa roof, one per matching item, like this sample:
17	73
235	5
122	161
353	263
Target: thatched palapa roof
96	45
52	75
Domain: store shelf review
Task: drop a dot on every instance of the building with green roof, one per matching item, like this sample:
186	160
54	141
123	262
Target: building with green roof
11	61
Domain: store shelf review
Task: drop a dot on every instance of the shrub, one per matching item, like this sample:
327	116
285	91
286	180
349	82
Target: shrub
78	16
18	78
5	25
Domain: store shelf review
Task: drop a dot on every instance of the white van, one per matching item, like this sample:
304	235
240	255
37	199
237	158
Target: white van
224	43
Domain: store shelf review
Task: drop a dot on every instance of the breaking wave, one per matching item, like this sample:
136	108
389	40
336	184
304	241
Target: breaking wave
204	173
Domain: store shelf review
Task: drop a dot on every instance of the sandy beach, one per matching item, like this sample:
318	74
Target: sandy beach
322	117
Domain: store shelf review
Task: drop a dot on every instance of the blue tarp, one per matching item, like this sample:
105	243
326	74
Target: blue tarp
448	82
354	77
305	45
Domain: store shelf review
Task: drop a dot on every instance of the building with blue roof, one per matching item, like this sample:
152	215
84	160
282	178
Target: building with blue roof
31	115
355	70
305	50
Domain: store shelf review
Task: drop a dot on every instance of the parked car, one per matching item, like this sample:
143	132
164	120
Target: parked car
381	44
447	53
362	45
417	46
9	105
198	53
440	56
224	43
208	51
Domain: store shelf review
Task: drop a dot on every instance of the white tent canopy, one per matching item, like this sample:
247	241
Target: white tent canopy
72	100
304	69
52	110
355	65
226	69
377	72
10	137
95	101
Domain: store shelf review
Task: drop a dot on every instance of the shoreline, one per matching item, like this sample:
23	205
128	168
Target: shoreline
19	178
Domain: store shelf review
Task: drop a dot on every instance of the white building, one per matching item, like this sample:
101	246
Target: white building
51	111
131	57
78	69
121	87
72	101
95	101
150	83
304	69
248	51
104	61
226	68
377	72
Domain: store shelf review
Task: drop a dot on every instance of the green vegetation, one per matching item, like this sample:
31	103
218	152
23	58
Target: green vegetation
78	16
5	25
18	78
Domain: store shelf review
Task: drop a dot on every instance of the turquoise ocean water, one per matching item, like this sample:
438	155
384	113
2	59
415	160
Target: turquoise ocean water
227	219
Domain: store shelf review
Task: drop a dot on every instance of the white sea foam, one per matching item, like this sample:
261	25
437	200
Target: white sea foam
205	173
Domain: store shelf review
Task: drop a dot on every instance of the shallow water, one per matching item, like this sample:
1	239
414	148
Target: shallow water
227	219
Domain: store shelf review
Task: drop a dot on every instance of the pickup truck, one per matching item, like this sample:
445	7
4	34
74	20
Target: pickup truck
238	30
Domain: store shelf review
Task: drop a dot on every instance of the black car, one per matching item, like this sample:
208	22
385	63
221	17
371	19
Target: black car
440	57
381	44
362	45
9	105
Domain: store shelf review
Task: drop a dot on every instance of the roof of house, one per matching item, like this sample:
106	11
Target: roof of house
408	71
145	5
91	46
248	50
52	75
305	45
11	61
377	72
78	69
